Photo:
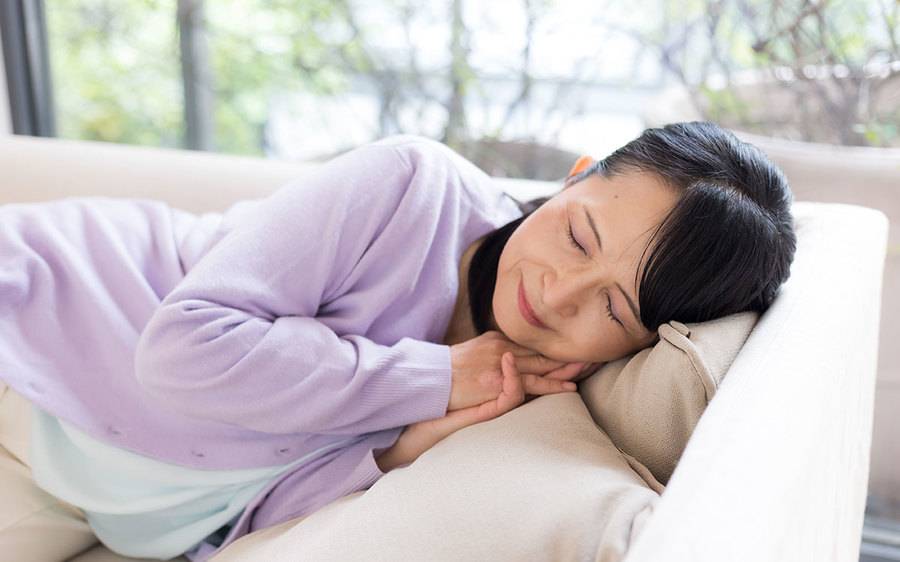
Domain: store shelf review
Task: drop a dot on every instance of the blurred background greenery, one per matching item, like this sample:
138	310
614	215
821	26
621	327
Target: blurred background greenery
501	82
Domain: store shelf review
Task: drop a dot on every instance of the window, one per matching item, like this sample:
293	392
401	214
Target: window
505	83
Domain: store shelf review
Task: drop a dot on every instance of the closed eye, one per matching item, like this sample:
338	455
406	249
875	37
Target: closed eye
575	244
609	309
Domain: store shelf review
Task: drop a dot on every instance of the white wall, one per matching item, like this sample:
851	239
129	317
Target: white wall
5	121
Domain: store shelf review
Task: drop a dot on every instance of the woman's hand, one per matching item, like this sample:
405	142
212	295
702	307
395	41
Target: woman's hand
419	437
477	377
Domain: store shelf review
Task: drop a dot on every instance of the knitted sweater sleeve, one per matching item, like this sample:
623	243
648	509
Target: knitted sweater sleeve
238	340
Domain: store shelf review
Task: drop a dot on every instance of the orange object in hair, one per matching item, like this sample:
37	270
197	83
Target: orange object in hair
580	165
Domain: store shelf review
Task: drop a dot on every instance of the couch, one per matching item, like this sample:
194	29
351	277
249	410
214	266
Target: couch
777	466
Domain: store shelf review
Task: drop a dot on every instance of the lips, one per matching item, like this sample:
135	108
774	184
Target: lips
527	311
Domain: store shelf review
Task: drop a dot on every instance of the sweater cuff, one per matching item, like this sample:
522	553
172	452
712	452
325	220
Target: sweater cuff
422	377
367	472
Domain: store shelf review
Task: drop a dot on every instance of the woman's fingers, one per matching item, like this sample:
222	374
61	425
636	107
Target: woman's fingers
536	364
511	395
535	384
513	392
566	373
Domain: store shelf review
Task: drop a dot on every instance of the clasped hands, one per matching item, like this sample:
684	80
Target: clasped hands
491	375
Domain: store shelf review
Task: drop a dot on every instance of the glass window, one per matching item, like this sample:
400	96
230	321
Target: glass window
115	71
522	88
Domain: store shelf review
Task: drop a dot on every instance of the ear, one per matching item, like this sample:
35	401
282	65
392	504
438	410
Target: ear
580	165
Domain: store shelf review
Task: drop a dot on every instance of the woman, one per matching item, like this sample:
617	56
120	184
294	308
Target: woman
712	214
191	379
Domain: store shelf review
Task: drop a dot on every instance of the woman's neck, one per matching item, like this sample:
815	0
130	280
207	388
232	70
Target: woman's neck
461	328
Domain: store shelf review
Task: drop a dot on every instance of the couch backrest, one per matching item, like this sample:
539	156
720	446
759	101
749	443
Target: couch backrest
40	169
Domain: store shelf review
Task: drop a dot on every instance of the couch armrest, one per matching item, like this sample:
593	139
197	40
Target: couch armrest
777	467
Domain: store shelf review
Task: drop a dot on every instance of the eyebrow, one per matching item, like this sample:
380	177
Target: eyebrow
631	305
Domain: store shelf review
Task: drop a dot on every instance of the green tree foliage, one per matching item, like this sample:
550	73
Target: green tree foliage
115	70
116	67
460	71
261	47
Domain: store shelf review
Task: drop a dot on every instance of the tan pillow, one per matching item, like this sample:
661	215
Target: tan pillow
649	402
541	482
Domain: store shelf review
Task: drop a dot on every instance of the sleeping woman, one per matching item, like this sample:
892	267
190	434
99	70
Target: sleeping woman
170	382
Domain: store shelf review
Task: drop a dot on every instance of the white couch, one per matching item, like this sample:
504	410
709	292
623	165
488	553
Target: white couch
777	467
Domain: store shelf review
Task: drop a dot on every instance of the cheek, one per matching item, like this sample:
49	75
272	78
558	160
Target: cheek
599	342
520	246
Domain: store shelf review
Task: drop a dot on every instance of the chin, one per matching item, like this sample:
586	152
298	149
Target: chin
493	325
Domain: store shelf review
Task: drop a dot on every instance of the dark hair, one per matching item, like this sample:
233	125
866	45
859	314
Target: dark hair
725	247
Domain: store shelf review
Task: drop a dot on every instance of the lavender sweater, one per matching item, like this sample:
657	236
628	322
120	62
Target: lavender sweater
249	338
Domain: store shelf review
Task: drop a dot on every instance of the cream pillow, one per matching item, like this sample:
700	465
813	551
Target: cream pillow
541	482
649	402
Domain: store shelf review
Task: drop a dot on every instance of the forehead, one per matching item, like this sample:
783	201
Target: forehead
626	210
629	206
629	188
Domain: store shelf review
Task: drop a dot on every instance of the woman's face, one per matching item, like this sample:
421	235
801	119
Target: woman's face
568	288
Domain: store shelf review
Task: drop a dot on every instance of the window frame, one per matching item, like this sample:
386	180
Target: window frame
26	62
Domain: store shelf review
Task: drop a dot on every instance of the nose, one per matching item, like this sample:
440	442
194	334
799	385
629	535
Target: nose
564	293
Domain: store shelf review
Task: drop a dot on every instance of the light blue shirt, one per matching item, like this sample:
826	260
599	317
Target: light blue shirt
138	506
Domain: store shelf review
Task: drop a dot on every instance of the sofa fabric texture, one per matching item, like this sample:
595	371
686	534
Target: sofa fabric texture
649	402
541	482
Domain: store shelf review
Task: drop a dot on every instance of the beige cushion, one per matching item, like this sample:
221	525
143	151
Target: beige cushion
541	482
649	402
